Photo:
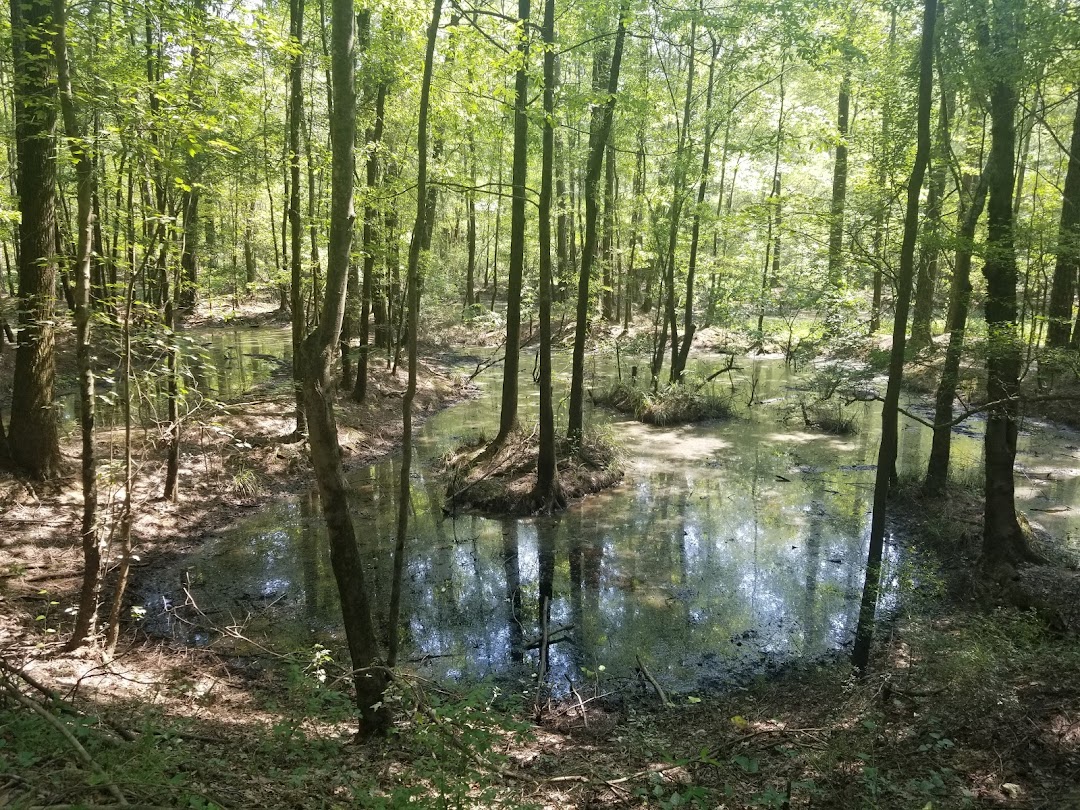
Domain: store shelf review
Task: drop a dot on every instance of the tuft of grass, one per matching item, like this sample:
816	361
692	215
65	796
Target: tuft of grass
668	405
830	417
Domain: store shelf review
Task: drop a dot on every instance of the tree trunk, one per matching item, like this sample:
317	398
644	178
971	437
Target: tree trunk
548	494
923	312
598	138
509	406
836	279
369	678
695	233
890	408
1003	540
937	469
371	238
83	156
423	210
1063	287
33	440
296	266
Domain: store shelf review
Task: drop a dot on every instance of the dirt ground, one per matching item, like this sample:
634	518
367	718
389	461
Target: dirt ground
234	458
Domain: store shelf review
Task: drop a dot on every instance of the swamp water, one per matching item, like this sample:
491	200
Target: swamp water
729	550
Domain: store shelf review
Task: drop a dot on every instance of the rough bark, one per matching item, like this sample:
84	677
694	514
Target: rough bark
1003	541
296	267
33	439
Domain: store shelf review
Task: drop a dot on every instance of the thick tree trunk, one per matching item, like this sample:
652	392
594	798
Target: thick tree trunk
1003	541
33	439
598	138
1063	288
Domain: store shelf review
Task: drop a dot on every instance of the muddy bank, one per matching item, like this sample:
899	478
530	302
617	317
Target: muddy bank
237	457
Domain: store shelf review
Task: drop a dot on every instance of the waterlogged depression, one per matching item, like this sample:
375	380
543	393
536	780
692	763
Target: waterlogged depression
730	549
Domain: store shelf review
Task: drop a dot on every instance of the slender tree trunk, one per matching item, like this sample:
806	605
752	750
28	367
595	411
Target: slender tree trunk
890	408
82	154
598	138
33	439
318	350
509	407
689	327
423	209
371	238
923	312
677	198
1063	288
937	470
836	279
296	261
548	494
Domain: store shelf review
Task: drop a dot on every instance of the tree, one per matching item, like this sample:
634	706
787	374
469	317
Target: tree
1004	543
1063	289
890	407
369	679
33	440
548	494
599	132
519	176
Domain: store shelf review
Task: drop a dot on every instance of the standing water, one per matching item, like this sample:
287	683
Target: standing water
729	549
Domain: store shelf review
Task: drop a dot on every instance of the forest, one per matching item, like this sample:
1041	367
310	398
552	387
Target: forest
652	403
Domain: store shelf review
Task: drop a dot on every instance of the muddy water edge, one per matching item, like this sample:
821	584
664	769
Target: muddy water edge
730	550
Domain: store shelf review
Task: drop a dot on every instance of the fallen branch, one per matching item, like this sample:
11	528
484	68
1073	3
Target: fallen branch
667	704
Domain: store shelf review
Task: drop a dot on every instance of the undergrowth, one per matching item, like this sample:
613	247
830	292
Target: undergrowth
674	404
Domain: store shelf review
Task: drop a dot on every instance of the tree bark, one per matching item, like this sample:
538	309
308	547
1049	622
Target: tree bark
937	469
82	154
1063	288
369	678
296	266
1003	541
520	165
33	439
598	137
547	495
890	408
424	210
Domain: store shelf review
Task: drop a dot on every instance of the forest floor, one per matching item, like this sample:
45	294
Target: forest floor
971	702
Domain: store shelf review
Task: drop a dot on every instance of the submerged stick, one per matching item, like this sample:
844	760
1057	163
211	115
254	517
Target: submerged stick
660	693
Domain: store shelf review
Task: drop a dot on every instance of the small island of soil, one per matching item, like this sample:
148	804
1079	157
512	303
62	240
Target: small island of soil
503	481
668	405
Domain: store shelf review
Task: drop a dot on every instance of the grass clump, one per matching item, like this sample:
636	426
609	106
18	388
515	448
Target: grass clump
831	417
678	403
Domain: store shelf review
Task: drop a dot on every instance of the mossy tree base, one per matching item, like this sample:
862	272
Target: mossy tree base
504	482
